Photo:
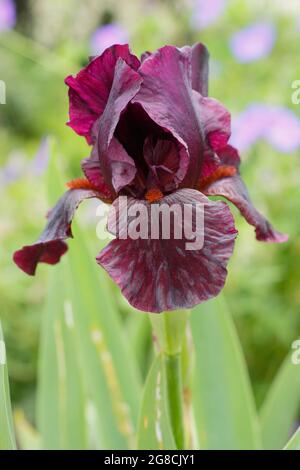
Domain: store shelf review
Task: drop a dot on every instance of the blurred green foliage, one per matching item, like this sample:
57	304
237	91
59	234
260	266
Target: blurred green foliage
262	289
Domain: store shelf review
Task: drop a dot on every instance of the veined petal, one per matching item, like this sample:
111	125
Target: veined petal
213	162
51	246
216	122
229	155
90	88
234	189
145	55
117	166
163	274
91	168
167	161
167	96
198	57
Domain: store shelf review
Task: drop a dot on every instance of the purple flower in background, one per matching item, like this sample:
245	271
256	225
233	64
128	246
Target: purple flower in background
17	165
284	130
277	125
249	126
7	15
254	42
207	12
40	162
106	36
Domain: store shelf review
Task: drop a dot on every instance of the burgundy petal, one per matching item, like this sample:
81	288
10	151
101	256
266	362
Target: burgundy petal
89	90
198	56
167	96
117	167
167	161
162	274
216	122
229	155
91	169
234	189
50	246
145	55
212	162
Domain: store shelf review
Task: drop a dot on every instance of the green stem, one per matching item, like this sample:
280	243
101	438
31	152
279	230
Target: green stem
172	365
169	328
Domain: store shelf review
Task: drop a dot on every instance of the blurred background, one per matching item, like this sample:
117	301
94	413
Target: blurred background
254	48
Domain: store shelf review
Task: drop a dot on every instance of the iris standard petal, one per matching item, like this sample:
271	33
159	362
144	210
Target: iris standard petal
117	166
198	57
216	122
167	96
90	88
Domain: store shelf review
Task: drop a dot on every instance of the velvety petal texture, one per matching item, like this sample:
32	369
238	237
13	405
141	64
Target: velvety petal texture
167	161
198	57
90	88
216	122
234	189
51	246
91	168
117	166
220	177
162	274
166	94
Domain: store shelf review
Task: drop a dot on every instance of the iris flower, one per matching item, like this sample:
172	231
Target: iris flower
155	136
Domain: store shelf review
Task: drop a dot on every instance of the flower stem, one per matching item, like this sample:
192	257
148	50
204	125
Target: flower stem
169	328
172	365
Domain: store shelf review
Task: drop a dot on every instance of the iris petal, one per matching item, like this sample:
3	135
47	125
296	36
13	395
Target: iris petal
162	274
116	165
51	246
90	89
166	94
91	168
198	57
216	122
234	189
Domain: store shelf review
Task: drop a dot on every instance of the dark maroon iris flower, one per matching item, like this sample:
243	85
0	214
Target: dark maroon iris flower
155	136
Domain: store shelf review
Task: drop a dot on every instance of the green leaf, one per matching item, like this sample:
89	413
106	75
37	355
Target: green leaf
140	339
7	436
294	442
281	406
55	184
110	369
224	407
87	364
28	438
154	430
61	412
